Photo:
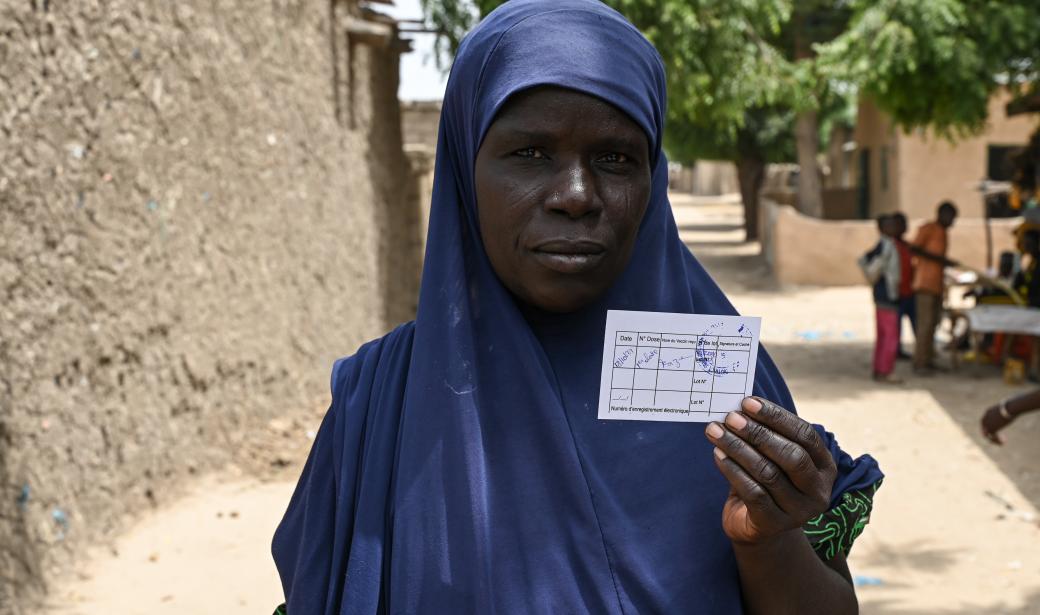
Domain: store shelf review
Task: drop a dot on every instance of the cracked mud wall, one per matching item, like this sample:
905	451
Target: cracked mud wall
189	235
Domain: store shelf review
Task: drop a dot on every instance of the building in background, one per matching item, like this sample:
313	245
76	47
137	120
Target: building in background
875	168
704	178
893	170
420	122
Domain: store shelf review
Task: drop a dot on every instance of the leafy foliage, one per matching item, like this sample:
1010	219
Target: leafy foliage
719	63
739	72
937	63
723	67
933	63
452	19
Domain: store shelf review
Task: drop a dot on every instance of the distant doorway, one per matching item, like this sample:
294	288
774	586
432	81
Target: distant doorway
864	183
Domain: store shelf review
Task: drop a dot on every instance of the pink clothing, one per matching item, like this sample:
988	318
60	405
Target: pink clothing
887	344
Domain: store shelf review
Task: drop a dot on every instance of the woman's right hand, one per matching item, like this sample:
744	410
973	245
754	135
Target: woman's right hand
779	470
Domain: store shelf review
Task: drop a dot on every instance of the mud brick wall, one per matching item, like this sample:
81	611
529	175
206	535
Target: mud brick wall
190	232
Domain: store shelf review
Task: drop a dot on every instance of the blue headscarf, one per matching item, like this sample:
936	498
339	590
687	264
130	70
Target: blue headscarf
461	467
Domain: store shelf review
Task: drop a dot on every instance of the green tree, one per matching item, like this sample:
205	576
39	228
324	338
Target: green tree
816	98
772	107
730	89
753	80
936	64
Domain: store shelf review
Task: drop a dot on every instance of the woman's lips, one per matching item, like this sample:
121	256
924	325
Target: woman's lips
569	256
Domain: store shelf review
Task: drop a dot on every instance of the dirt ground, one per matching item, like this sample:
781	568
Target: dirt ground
954	530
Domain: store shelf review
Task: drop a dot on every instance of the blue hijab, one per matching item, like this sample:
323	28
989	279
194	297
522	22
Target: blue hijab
461	467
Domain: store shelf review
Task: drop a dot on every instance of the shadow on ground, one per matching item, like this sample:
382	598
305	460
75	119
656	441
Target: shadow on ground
738	264
714	232
887	607
918	555
822	372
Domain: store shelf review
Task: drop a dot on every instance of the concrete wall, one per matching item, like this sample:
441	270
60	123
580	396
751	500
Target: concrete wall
840	204
877	138
705	178
810	251
841	158
715	177
923	170
420	121
421	160
680	178
199	209
934	169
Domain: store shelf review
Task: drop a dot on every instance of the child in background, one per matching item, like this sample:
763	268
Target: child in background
906	282
930	247
882	267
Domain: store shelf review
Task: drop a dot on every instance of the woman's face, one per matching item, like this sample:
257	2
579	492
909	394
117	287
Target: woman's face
562	181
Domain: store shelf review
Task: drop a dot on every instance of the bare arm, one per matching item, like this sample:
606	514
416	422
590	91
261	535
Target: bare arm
781	475
786	576
925	254
993	420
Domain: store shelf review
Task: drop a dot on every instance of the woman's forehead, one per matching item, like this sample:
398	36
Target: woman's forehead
559	109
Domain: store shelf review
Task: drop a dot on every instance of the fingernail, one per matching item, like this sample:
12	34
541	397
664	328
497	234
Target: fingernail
751	404
736	421
719	454
715	430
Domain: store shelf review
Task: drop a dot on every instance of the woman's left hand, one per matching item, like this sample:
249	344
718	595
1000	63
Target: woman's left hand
992	422
779	471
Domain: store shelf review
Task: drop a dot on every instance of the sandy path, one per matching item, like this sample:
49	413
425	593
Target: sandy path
940	541
208	554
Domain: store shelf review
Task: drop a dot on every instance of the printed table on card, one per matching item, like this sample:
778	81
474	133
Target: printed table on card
661	366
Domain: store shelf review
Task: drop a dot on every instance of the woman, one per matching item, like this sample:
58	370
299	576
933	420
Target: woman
461	467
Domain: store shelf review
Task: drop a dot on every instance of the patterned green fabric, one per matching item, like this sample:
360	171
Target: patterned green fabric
280	610
834	531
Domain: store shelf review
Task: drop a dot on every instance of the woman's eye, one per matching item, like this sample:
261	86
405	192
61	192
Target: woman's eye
529	152
614	157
